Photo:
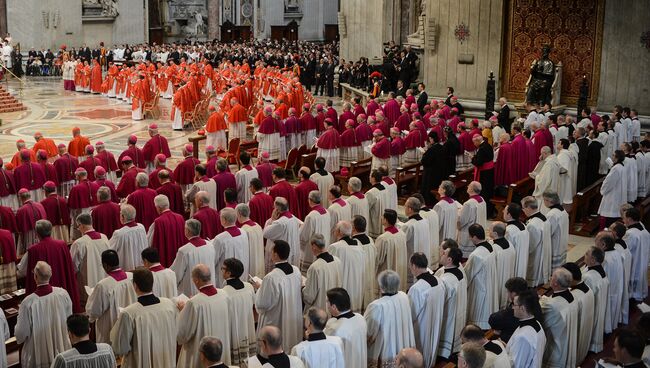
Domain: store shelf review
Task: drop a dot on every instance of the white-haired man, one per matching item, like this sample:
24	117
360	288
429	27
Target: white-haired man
353	263
255	240
416	230
317	221
129	240
473	211
357	200
548	177
231	243
282	225
323	274
86	254
196	251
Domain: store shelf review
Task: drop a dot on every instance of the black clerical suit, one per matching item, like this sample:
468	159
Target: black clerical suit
433	162
504	118
483	161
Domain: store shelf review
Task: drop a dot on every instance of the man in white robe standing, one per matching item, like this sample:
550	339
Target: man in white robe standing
518	237
243	178
548	178
41	324
391	248
560	322
618	232
613	267
539	243
482	279
353	263
377	202
472	212
586	300
202	183
317	221
323	274
130	240
339	210
164	279
84	352
455	300
113	292
447	209
496	355
231	243
272	352
368	246
595	278
613	191
278	298
86	255
282	226
427	296
323	179
416	230
196	251
357	200
389	322
528	342
506	257
138	336
638	242
391	188
205	314
349	326
569	163
255	240
434	231
319	350
558	218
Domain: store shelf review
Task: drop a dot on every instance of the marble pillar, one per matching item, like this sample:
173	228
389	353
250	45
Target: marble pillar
3	17
213	19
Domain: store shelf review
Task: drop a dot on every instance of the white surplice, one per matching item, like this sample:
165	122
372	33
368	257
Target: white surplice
390	329
294	362
558	218
255	249
391	191
87	260
164	283
370	274
108	296
321	276
548	179
279	303
243	342
287	229
129	242
586	300
631	172
377	201
427	296
416	230
203	315
614	192
359	205
627	268
506	257
613	266
448	218
325	353
434	235
539	250
561	327
597	281
482	287
518	237
5	334
41	327
496	355
351	328
391	255
353	269
339	210
243	178
315	223
471	212
455	309
229	246
188	256
324	182
102	358
568	161
526	345
141	339
638	242
209	186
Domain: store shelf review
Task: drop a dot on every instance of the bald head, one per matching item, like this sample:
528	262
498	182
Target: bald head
42	272
201	274
271	338
202	198
409	358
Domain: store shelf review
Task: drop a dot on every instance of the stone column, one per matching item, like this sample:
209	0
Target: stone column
3	18
213	19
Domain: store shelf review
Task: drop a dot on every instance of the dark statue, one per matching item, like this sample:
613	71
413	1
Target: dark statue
542	75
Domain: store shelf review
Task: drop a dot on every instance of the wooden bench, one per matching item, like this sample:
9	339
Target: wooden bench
585	203
307	160
517	190
360	169
408	176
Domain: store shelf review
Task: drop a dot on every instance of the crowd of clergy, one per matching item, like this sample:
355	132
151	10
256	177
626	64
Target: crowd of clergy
245	268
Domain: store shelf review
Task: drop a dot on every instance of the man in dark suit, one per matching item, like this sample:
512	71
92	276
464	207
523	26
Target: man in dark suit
583	154
423	98
450	94
321	77
330	77
483	162
401	88
504	114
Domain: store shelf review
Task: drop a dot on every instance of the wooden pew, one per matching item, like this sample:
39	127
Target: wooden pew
408	176
516	190
585	203
360	169
460	180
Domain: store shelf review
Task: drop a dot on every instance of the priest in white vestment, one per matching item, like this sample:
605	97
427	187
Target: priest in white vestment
205	314
357	200
391	187
317	221
231	243
613	267
482	279
84	352
631	169
196	251
517	235
594	276
41	324
613	190
370	252
164	279
323	274
282	225
416	230
130	240
353	263
568	161
526	345
447	209
5	334
271	351
427	297
86	254
434	231
506	257
558	218
110	294
391	248
548	178
138	336
319	350
618	231
638	241
539	243
377	202
560	322
389	321
243	178
473	211
349	326
278	298
240	310
255	240
496	355
202	183
323	179
339	210
455	300
585	298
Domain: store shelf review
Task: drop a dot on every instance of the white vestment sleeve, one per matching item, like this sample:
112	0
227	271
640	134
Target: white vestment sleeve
121	334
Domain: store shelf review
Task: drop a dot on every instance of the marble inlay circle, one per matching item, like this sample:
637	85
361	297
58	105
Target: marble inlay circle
61	130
